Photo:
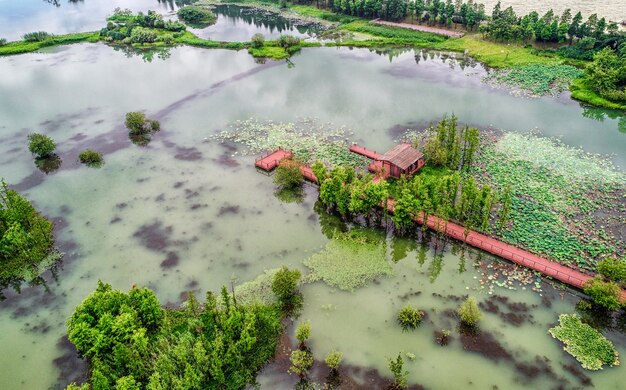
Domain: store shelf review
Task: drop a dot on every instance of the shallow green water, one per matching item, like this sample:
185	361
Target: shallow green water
186	213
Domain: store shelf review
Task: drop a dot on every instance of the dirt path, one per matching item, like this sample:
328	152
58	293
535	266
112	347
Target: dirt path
417	27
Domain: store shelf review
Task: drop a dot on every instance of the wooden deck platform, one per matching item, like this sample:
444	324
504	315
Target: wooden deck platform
270	161
509	252
365	152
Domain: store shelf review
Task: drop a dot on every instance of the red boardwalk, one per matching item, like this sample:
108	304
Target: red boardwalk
365	152
271	161
308	174
506	251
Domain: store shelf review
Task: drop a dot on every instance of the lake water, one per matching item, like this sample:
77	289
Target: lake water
188	213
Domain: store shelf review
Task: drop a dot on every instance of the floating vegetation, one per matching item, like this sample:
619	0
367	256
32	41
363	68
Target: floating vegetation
536	79
586	344
258	290
560	193
509	276
308	140
349	261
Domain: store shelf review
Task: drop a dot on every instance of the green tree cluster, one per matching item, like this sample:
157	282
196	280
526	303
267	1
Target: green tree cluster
142	28
448	145
196	15
604	294
132	343
433	12
613	268
25	235
584	37
607	73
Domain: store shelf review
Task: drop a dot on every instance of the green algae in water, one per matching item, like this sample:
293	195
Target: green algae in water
586	344
258	290
349	261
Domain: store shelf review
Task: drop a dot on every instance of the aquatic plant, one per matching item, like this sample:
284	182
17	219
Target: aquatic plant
258	290
469	312
537	79
41	145
396	366
409	318
550	184
308	140
349	262
586	344
91	158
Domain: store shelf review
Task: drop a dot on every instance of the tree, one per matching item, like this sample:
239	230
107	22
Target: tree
397	370
574	28
469	312
257	40
303	332
288	174
285	287
603	72
41	145
301	362
613	269
604	294
333	360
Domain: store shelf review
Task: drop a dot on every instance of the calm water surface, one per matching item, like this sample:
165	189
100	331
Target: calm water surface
187	213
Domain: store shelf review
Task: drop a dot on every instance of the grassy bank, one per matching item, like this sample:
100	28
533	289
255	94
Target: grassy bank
21	47
582	91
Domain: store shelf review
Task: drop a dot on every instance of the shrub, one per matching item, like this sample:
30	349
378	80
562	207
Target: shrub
91	158
258	40
197	15
333	360
469	312
288	174
301	362
613	269
586	344
410	318
3	41
138	124
142	35
287	41
36	36
605	294
285	287
41	145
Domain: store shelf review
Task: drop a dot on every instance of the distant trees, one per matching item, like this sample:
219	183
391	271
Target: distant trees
196	15
607	73
36	36
141	28
433	12
448	146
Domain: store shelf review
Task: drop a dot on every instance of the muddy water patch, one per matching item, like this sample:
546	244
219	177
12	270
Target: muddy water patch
155	236
71	367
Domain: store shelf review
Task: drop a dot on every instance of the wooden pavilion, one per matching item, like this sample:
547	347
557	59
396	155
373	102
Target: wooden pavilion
403	159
